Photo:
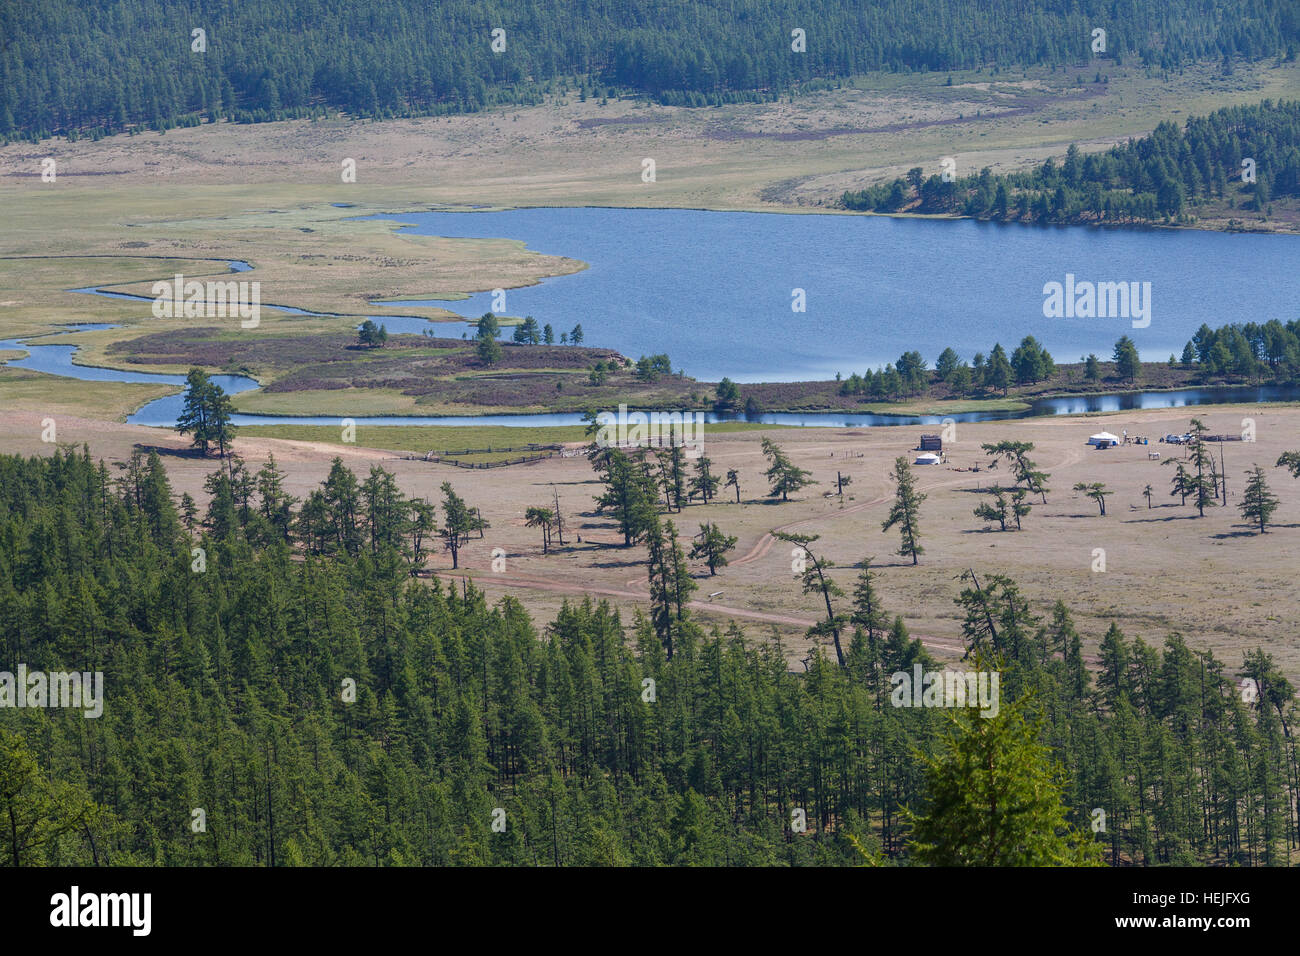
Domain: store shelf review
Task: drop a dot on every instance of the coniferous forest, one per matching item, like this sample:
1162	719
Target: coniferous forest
94	67
1162	177
228	637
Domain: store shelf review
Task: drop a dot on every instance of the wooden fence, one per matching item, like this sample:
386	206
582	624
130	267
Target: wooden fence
523	460
490	451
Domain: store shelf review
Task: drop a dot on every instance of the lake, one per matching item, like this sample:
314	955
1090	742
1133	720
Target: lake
714	289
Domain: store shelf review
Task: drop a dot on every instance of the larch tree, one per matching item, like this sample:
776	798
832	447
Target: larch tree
815	581
906	511
996	798
782	474
733	481
711	546
1257	502
459	522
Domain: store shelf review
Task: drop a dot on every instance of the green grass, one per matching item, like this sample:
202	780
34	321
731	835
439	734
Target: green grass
422	438
956	406
27	390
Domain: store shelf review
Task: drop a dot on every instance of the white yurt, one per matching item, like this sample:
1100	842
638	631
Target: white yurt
1103	440
929	458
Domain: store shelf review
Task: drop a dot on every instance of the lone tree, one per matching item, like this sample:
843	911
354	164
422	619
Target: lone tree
542	518
488	350
1257	503
458	522
733	481
726	395
485	339
840	481
1022	466
1096	491
782	473
994	512
1127	363
371	335
906	510
815	581
1146	493
997	798
205	414
711	546
704	483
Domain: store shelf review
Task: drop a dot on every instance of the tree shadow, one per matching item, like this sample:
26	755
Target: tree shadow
1182	517
629	562
164	451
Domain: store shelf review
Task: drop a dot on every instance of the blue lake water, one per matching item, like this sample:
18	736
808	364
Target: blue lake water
714	289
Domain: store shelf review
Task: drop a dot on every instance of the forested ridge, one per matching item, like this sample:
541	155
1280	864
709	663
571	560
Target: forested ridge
1166	176
224	692
90	67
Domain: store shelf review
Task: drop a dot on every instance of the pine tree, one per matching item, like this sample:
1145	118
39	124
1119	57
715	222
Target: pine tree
630	494
868	613
670	584
906	511
1257	503
458	522
733	481
1095	490
541	517
783	475
996	798
712	546
704	483
815	581
206	413
994	512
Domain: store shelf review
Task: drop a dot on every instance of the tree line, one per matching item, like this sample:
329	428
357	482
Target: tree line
1163	177
123	65
1028	364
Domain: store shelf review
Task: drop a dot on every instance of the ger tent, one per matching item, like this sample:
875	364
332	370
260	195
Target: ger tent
927	459
1103	440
